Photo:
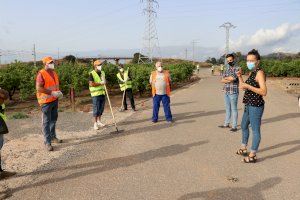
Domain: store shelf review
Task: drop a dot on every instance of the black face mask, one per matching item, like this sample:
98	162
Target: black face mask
231	63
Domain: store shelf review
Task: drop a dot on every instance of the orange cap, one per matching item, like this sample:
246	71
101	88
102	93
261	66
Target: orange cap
98	62
47	60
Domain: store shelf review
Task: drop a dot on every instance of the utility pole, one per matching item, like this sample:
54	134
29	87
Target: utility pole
186	53
34	55
150	44
193	43
227	27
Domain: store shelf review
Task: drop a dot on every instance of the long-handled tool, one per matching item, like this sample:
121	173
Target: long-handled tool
123	99
111	110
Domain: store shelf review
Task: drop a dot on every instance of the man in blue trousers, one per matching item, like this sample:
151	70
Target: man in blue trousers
160	81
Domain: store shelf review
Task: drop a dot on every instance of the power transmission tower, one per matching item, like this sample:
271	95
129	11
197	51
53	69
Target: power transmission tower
150	44
186	53
34	55
227	27
193	43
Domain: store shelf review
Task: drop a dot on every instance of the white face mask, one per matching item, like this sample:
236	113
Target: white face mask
160	69
99	68
50	66
121	70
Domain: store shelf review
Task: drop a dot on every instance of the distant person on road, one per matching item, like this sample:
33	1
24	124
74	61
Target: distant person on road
160	81
212	70
198	68
221	70
97	90
47	86
231	93
255	88
125	83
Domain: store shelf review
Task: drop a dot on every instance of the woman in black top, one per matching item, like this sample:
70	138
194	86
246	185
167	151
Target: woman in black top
255	88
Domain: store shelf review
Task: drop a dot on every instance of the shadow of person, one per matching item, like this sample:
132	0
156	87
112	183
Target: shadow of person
236	193
100	166
283	153
281	118
180	116
106	134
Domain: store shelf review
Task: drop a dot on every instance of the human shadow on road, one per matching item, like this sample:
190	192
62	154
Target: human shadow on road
187	116
235	193
283	153
100	166
281	118
180	116
126	132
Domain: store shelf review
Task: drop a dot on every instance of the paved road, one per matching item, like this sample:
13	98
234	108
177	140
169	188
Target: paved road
189	159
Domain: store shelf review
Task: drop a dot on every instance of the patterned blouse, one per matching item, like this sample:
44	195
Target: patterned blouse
251	98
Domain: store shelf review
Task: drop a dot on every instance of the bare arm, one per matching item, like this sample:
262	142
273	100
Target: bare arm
93	84
40	88
262	90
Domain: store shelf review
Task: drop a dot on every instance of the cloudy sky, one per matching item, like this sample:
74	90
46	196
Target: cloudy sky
108	27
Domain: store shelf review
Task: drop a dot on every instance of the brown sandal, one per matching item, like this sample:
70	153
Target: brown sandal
242	152
250	159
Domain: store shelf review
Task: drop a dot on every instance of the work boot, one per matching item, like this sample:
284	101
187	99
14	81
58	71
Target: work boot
100	124
96	127
49	147
55	140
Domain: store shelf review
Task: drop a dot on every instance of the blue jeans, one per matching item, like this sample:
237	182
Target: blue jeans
252	115
98	105
49	118
156	104
231	101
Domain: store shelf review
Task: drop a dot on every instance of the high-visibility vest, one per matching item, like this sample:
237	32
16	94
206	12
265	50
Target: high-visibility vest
128	84
167	79
50	84
2	112
98	90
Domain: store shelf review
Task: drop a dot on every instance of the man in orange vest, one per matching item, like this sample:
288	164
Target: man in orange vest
47	86
161	90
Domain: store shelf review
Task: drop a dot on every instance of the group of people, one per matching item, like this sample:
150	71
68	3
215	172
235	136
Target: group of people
255	89
48	93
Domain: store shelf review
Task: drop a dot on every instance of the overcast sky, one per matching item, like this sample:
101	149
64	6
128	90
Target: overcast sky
87	25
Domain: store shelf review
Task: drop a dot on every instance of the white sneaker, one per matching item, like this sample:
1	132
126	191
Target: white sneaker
100	124
96	126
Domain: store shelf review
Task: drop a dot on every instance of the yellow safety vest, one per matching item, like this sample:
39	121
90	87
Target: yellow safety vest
128	84
2	113
98	90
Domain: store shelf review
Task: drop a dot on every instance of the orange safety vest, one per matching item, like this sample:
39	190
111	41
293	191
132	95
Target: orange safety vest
167	79
50	84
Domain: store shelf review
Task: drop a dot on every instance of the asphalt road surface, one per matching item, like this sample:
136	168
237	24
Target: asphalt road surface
189	159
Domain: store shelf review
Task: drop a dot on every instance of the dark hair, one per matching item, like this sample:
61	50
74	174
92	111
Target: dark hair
255	53
230	55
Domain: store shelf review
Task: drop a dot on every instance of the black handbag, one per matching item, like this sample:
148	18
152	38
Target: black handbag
3	126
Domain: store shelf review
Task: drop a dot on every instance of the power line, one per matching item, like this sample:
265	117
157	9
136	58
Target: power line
150	44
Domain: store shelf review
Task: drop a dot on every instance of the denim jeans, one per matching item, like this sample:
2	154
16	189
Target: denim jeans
252	115
98	105
49	118
156	104
231	101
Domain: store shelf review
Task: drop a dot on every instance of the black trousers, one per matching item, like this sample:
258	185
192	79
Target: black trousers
129	94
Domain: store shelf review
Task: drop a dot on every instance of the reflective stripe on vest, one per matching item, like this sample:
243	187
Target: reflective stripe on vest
167	79
2	112
98	90
50	84
128	84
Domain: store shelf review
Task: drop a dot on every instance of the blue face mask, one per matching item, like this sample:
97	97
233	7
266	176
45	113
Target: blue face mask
251	65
